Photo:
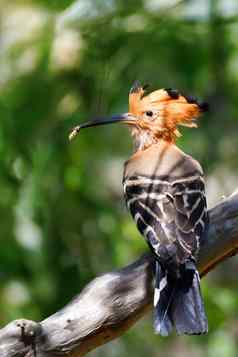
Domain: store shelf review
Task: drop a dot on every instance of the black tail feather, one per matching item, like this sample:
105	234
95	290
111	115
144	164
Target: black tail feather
179	303
162	302
187	311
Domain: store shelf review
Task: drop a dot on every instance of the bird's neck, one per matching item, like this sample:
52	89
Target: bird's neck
143	139
163	159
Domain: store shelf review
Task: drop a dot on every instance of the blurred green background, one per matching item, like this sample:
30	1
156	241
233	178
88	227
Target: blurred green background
63	218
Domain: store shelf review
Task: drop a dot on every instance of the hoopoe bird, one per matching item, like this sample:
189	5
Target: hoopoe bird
164	191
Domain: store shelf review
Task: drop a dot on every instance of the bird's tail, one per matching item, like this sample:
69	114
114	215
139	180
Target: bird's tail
187	310
179	303
162	302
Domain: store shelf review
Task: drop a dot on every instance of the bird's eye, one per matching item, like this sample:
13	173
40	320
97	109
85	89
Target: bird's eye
149	113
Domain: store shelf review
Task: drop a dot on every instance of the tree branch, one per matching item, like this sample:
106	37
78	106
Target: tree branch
113	302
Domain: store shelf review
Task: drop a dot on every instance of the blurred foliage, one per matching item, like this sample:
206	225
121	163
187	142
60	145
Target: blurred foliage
63	219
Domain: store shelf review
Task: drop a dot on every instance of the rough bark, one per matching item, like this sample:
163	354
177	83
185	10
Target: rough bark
113	302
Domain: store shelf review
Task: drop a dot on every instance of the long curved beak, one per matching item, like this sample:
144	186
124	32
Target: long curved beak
126	118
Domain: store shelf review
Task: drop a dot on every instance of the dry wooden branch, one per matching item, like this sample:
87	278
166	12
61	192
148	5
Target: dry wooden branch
112	303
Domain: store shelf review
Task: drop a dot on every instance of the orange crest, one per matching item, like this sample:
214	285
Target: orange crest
164	109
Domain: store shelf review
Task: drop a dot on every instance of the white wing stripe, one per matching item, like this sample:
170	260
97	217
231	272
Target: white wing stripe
146	180
145	195
158	290
147	229
187	191
194	207
149	211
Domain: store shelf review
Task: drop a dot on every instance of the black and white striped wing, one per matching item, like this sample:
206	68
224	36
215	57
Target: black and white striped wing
171	215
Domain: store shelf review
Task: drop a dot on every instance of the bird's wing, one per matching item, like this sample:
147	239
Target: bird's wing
171	215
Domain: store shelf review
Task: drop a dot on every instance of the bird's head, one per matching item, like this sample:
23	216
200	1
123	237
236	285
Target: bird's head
154	116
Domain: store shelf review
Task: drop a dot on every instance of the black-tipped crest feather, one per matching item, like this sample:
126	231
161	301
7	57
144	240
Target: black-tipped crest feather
173	93
136	87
